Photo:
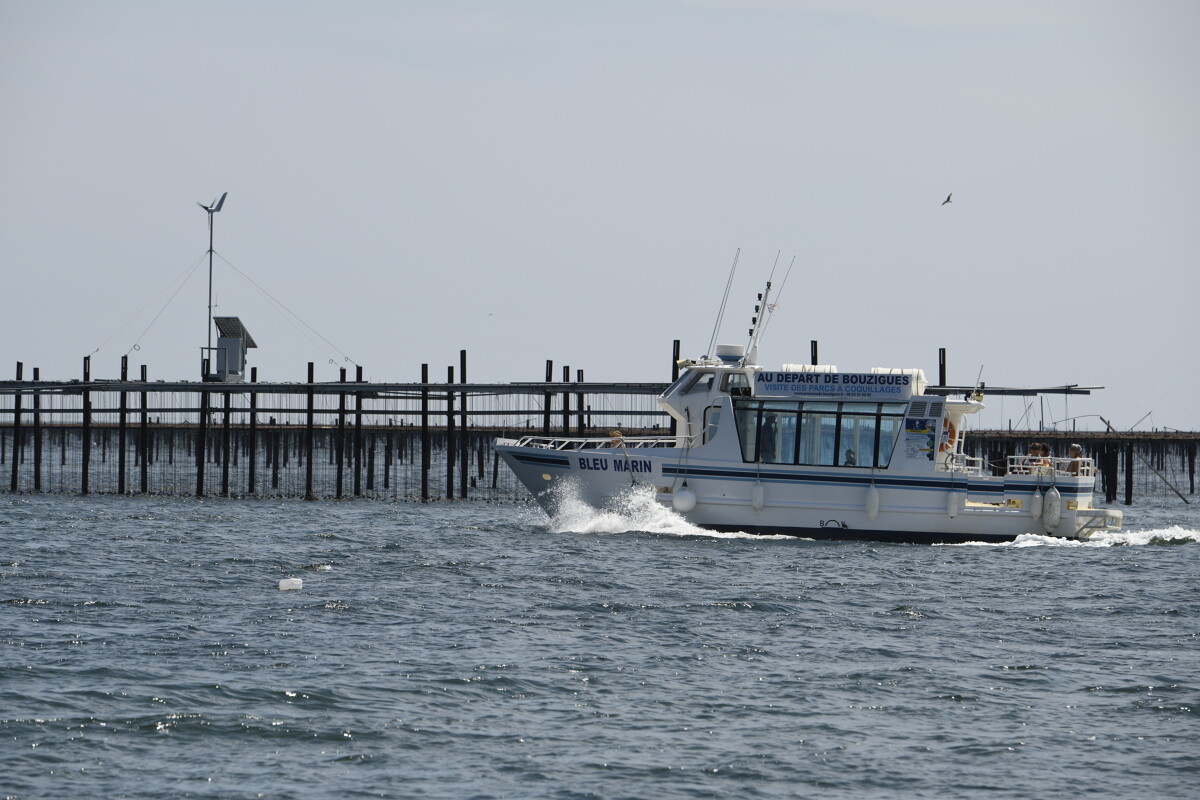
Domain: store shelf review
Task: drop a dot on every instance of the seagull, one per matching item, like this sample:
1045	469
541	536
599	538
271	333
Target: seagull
947	200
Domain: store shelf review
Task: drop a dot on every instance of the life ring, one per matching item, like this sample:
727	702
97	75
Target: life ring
951	437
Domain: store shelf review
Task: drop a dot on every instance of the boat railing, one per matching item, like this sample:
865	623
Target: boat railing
959	462
1051	465
579	443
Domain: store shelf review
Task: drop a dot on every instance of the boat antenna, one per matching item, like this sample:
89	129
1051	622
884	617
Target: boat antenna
762	311
211	208
712	343
769	312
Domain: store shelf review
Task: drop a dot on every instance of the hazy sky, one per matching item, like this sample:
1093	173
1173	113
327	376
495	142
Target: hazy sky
570	181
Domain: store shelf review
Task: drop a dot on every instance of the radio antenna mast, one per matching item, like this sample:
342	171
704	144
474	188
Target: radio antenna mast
211	208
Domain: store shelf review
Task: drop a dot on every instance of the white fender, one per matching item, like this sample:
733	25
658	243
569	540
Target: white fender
952	504
872	502
1052	510
684	500
758	497
1036	505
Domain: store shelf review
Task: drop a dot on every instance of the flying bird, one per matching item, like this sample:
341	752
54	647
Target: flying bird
947	200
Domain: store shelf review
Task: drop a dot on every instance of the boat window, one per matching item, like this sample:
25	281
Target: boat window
777	436
889	432
746	414
712	418
736	384
822	434
702	383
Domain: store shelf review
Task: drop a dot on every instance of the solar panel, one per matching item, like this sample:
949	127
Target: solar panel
232	328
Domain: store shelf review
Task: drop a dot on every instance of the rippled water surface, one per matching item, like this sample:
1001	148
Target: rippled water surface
486	651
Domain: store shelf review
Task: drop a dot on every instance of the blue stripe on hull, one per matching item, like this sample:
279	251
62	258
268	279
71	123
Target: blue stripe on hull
833	533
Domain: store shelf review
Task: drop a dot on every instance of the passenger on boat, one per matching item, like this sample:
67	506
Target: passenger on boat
850	460
767	441
1075	453
618	439
1037	460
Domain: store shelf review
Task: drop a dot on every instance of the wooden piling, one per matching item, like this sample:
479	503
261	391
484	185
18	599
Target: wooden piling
16	437
226	429
1191	456
37	433
1129	474
308	436
566	395
675	354
86	425
464	440
358	432
546	407
202	441
341	437
425	445
122	426
144	444
253	432
450	436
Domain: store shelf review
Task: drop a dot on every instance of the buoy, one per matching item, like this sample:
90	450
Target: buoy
758	497
1036	505
952	504
291	584
872	503
684	500
1052	510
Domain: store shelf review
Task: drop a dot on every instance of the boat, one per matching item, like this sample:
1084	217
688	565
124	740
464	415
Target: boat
807	450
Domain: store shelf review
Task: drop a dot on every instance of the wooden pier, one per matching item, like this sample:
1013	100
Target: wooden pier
348	438
417	441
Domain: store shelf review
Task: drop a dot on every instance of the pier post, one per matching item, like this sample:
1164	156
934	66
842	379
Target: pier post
122	426
451	442
341	437
308	437
675	352
253	462
546	407
566	412
202	441
274	439
37	433
16	437
226	429
1191	453
1129	474
580	422
358	437
144	445
463	438
425	448
86	426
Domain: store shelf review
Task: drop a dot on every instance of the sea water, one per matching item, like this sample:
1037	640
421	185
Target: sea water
485	651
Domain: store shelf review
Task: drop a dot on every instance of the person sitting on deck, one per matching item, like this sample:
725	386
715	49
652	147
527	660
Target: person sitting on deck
1075	453
1036	460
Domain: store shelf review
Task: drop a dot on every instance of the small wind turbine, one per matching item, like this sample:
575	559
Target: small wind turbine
211	208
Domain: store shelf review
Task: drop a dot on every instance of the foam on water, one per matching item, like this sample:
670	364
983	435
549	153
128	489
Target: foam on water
635	509
1174	534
